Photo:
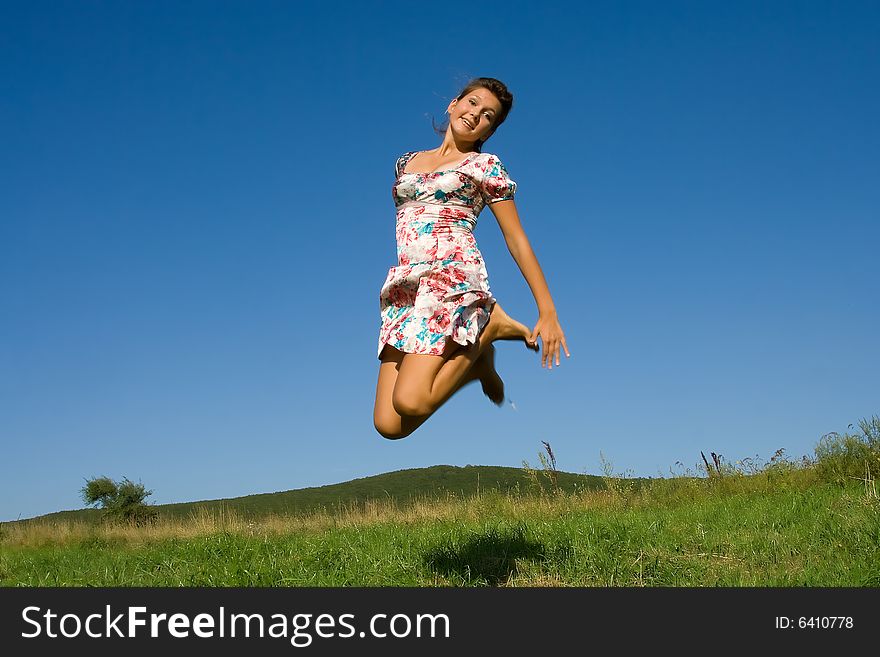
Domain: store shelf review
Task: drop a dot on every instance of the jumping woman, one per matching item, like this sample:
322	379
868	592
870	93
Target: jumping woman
439	318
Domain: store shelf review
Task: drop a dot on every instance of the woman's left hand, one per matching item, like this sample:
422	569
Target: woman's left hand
552	336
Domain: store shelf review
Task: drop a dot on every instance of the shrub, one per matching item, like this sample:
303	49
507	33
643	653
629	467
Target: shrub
121	502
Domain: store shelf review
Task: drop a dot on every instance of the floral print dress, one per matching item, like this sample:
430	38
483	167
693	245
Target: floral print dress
440	288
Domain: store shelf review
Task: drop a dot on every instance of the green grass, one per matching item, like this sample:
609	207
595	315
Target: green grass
812	523
799	534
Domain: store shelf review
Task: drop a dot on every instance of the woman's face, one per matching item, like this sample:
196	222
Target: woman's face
473	117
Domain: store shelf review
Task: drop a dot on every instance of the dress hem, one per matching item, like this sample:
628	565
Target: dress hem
490	305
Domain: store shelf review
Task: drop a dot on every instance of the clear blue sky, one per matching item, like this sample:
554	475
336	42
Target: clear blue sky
197	218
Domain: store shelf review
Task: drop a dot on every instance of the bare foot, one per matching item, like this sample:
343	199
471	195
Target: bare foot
506	328
484	369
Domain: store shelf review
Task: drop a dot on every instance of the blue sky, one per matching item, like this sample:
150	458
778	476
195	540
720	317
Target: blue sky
196	219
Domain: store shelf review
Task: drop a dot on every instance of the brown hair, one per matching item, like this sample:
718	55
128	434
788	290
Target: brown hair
499	89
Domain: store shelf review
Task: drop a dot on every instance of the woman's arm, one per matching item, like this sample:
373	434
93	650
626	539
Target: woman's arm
518	244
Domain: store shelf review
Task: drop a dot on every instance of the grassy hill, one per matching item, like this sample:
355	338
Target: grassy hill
402	486
775	528
808	522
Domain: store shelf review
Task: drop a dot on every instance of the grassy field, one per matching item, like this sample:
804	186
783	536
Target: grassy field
815	522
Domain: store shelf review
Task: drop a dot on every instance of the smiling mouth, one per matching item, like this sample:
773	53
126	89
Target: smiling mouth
465	121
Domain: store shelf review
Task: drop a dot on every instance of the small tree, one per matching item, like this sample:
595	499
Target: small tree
123	501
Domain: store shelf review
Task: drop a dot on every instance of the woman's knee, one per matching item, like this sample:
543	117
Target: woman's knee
389	431
409	404
390	434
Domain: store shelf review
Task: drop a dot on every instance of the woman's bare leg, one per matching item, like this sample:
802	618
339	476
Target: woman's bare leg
500	327
388	422
421	388
412	387
425	382
493	386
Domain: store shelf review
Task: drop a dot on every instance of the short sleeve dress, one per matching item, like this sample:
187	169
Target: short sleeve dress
439	288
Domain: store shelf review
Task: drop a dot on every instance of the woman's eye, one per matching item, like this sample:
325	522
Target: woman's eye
488	115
